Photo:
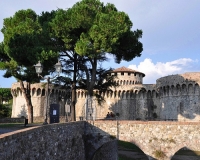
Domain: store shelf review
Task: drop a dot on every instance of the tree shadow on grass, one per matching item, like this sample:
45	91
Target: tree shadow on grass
129	151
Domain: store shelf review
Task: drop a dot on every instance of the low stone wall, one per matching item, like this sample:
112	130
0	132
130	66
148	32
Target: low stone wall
74	141
103	154
97	141
153	136
55	141
11	120
38	119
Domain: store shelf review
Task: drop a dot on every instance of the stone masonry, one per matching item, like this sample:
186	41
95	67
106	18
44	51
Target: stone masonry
39	100
153	136
89	140
73	141
174	97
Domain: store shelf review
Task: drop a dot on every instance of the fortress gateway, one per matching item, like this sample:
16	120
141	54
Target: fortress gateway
174	97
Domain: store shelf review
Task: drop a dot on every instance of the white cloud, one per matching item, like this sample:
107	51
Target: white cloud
154	71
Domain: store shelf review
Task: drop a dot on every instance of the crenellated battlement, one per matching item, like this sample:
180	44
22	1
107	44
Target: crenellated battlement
179	79
37	89
38	93
184	84
174	97
179	90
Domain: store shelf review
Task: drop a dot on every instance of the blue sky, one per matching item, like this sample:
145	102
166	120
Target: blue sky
171	33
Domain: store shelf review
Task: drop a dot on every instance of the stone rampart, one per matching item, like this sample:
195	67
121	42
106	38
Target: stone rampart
179	103
179	79
152	136
88	140
174	97
102	152
179	97
47	142
73	141
97	142
12	120
56	95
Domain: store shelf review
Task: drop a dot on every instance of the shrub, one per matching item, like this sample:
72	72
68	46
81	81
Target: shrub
5	111
159	154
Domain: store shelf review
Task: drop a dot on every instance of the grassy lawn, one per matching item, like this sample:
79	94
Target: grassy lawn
11	125
122	157
128	146
17	125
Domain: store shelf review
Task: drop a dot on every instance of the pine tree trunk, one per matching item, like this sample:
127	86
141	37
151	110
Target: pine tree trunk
93	77
73	110
27	96
73	89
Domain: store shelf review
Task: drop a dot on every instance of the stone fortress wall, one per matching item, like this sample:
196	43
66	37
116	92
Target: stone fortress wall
38	98
174	97
167	137
83	140
73	141
180	96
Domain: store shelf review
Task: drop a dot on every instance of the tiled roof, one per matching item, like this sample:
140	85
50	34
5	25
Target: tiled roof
124	69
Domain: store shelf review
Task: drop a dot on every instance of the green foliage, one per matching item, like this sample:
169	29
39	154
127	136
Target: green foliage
81	35
129	146
23	23
104	82
11	125
89	30
94	28
26	41
3	55
5	111
5	94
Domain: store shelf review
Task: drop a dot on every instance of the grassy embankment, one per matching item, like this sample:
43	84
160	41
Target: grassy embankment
126	146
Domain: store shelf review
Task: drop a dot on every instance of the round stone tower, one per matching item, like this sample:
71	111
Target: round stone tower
179	97
120	100
127	76
39	100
